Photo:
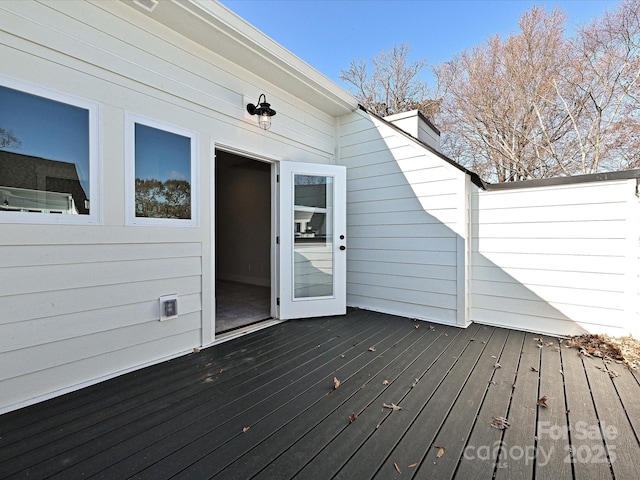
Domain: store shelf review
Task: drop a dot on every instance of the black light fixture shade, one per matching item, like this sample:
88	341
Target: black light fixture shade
264	112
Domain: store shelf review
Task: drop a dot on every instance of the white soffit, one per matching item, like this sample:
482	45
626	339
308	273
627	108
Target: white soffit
218	29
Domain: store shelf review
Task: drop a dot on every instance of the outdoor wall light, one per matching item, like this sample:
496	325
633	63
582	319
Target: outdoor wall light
264	112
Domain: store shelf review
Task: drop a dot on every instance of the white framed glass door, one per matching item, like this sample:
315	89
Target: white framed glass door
312	240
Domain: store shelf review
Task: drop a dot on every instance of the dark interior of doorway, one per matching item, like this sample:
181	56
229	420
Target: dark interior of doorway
243	241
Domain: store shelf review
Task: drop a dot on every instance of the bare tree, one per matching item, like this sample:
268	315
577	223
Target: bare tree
393	85
498	96
8	139
600	92
538	105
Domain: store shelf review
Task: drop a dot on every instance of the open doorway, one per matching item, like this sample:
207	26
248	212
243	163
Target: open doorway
243	241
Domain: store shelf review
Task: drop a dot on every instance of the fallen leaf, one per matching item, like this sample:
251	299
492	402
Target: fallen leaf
417	326
372	349
549	344
342	356
537	339
221	370
534	369
540	345
497	365
413	465
414	383
245	429
543	401
432	328
397	468
352	418
336	383
385	382
196	350
440	452
492	382
393	406
500	423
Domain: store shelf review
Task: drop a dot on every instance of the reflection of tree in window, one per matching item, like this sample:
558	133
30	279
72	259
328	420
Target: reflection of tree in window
163	170
170	199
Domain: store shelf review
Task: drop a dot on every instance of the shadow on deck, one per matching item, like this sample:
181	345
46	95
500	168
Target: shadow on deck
264	406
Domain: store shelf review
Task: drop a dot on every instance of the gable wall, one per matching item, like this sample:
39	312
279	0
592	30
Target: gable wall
80	302
557	259
407	217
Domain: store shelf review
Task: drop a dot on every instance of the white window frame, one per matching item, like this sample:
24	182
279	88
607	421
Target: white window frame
95	162
131	119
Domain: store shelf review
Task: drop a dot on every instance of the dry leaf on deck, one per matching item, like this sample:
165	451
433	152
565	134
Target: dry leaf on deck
336	383
534	369
397	468
372	349
196	350
440	451
500	423
385	382
245	429
417	326
543	401
393	406
432	328
352	418
413	465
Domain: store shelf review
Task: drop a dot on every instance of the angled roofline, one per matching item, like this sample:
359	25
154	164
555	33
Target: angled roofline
475	178
538	182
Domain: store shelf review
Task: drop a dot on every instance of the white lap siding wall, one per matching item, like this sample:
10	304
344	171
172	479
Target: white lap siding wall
560	259
79	303
407	224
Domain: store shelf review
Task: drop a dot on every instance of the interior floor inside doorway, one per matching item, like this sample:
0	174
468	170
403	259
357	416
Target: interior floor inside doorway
240	304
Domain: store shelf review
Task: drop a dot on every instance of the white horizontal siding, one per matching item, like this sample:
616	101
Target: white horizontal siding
66	305
556	259
405	214
86	297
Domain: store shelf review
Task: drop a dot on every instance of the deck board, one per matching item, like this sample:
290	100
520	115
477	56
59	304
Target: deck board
184	418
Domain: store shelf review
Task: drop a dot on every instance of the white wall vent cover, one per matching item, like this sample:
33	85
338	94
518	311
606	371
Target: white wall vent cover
148	5
168	307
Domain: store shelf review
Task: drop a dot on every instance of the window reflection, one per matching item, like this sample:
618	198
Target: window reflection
44	155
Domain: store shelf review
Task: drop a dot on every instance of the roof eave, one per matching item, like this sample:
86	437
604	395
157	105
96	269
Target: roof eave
216	28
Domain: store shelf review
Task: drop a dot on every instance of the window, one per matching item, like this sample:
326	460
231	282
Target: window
161	174
47	156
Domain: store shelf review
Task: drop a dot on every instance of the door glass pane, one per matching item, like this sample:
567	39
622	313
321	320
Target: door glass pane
313	236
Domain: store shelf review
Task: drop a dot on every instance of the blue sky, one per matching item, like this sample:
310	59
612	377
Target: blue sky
162	155
328	34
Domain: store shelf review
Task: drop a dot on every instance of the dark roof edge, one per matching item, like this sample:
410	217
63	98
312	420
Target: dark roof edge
475	178
426	120
547	182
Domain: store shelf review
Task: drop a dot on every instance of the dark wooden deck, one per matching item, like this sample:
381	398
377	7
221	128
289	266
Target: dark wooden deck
264	406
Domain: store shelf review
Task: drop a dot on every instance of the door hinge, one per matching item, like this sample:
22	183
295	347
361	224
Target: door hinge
278	301
278	178
277	240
